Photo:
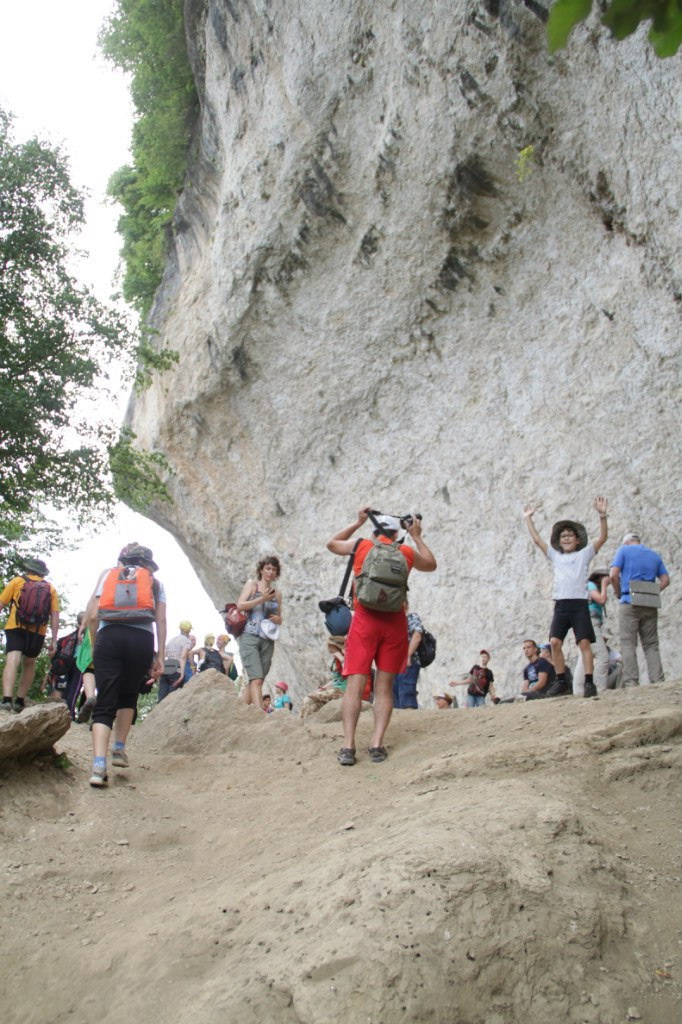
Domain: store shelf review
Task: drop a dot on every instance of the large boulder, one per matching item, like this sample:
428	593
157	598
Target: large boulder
34	731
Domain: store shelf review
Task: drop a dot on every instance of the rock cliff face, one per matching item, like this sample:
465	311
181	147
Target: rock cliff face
373	300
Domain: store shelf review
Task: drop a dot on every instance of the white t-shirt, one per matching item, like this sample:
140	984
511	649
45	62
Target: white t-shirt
570	572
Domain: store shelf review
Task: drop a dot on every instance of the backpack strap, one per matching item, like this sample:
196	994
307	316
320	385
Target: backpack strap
372	514
349	569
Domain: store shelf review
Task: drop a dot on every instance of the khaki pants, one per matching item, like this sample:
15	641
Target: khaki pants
643	623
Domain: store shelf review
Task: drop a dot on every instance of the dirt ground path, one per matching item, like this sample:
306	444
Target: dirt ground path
513	864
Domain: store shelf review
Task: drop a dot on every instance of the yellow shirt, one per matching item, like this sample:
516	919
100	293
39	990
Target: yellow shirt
10	597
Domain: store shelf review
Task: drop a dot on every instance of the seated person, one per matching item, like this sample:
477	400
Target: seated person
267	704
546	653
538	675
443	701
283	701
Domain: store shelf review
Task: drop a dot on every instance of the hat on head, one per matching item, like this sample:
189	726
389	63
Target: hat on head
483	651
185	626
598	573
339	642
443	696
630	536
282	686
568	524
136	554
36	566
388	523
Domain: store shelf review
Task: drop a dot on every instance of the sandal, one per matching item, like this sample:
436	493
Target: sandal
346	756
377	754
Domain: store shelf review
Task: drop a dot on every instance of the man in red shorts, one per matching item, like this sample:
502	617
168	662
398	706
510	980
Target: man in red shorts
378	637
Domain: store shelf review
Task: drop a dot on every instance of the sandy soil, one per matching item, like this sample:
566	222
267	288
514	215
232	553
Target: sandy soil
513	864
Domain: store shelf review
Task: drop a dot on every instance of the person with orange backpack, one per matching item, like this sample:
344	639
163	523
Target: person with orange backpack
126	609
33	603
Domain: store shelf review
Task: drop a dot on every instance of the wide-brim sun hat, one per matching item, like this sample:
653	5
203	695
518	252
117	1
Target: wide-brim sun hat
269	629
36	567
137	554
568	524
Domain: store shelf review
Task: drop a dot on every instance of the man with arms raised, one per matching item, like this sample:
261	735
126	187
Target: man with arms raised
378	632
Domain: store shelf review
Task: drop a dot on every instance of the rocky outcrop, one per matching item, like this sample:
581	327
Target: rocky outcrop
34	731
420	263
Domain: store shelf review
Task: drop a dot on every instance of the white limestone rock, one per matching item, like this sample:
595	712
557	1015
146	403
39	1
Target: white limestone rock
369	305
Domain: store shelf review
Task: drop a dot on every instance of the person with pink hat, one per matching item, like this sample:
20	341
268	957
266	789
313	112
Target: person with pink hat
282	698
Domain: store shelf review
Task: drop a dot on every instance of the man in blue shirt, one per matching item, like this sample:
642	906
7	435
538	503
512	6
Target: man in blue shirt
633	561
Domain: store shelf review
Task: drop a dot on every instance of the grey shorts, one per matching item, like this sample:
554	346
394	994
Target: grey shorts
256	654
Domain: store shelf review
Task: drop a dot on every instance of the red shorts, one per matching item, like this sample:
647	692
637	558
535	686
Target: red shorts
376	637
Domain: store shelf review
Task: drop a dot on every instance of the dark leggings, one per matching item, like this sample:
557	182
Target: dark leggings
123	655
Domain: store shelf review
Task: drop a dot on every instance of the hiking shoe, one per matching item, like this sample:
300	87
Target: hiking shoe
377	754
99	777
558	689
17	707
85	713
5	706
346	756
590	690
119	759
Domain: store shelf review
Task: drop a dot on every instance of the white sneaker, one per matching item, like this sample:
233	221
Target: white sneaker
99	777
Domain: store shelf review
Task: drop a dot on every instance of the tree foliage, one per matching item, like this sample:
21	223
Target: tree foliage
622	17
56	340
146	38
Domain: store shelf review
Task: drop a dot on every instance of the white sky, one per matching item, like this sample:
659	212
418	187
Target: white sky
59	87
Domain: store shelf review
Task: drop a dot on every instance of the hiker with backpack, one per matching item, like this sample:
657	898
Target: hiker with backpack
378	633
64	679
209	657
127	607
405	683
261	601
175	660
32	603
229	668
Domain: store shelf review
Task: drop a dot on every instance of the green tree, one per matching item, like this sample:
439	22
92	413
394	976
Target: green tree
56	340
146	38
622	17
